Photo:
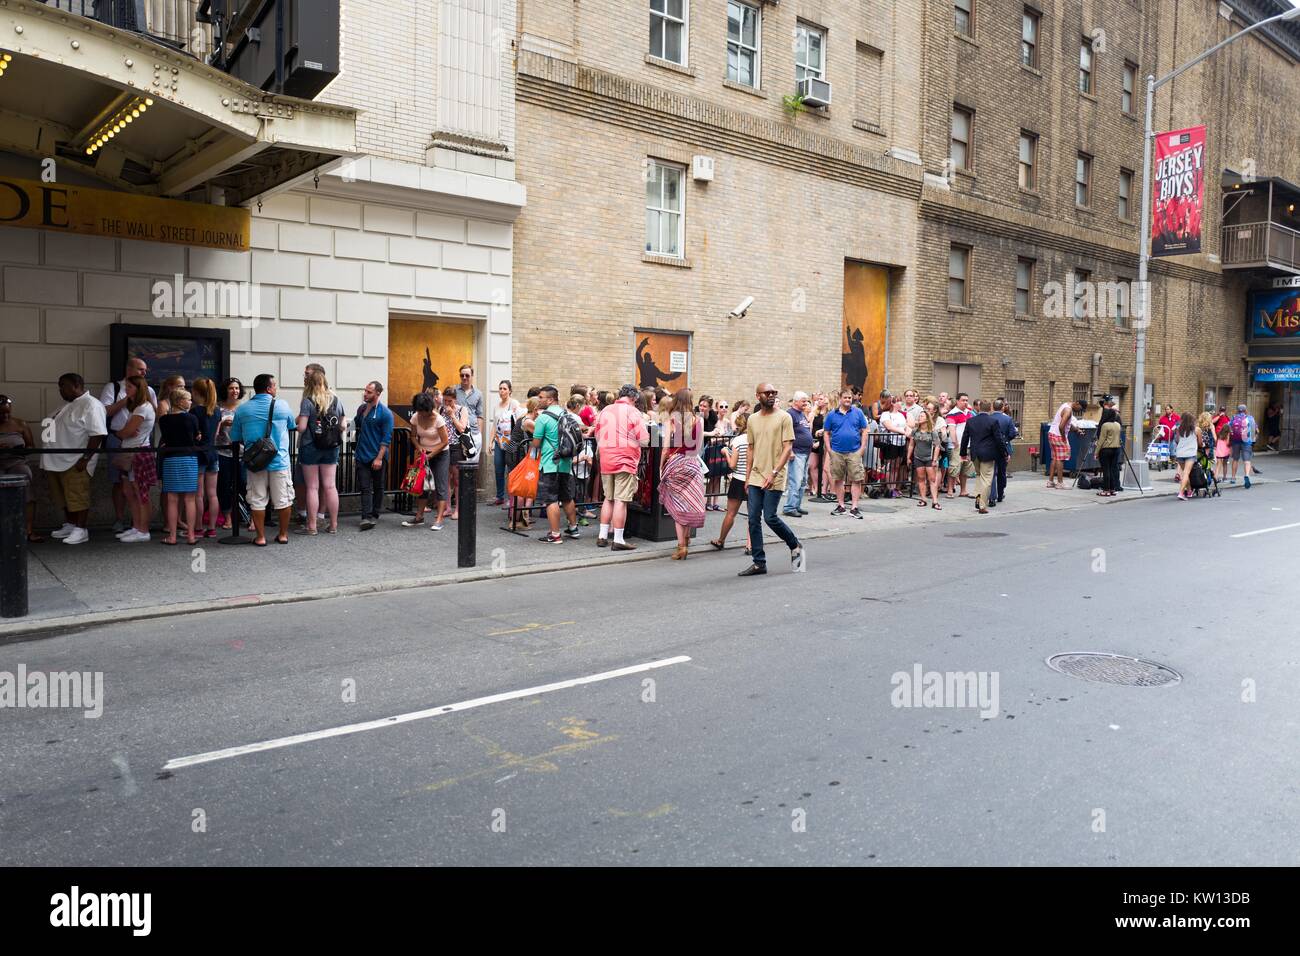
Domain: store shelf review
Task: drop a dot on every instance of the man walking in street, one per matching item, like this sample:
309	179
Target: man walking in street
620	434
847	428
959	469
770	434
78	424
113	397
374	434
797	472
982	441
1008	431
261	415
555	485
1242	432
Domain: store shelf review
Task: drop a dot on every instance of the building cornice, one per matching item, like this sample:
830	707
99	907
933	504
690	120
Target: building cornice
606	97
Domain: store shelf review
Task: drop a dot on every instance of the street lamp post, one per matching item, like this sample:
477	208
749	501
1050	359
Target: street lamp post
1144	258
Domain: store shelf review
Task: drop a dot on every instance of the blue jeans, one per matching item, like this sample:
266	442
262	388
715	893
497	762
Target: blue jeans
796	481
499	463
762	507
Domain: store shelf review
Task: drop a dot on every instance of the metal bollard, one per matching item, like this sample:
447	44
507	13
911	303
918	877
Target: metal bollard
467	526
13	546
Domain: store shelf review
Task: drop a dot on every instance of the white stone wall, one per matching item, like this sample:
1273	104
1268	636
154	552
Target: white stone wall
329	273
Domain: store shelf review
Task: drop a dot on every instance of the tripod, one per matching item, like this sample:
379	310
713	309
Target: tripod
1132	471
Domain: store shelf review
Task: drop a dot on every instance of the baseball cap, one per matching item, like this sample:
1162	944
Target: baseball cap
1241	408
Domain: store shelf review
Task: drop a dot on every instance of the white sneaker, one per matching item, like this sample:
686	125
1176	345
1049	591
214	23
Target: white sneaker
78	536
133	536
63	532
799	558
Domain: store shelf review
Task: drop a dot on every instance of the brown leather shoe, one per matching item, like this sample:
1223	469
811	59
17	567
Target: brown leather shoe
602	542
621	546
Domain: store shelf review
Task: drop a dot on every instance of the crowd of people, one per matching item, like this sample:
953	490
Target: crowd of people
211	447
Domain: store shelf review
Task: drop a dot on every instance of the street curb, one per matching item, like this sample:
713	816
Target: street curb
19	632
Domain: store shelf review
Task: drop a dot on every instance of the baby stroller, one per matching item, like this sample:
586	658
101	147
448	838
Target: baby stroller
1202	482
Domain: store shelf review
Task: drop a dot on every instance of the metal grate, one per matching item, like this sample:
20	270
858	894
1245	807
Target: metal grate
1102	668
1014	393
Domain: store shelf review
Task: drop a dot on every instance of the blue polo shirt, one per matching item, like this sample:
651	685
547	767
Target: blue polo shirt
846	430
249	425
373	430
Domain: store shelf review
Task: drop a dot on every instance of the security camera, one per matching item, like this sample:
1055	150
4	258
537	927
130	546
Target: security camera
739	311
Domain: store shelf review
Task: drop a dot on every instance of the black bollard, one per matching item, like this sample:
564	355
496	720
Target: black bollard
13	546
467	530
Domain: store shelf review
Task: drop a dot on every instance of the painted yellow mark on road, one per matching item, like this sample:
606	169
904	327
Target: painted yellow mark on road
533	626
545	762
662	810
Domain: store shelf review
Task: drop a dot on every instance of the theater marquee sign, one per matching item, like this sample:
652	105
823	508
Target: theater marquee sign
115	215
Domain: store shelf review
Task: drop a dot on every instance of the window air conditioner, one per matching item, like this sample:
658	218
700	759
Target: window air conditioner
815	92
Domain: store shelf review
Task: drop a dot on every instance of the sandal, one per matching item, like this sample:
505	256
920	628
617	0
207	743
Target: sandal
35	538
281	540
921	503
936	506
718	545
172	542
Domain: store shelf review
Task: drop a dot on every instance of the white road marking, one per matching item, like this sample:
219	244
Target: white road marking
179	762
1281	527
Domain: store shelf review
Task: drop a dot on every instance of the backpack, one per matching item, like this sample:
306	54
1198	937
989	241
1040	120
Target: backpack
1197	479
1239	426
327	427
568	442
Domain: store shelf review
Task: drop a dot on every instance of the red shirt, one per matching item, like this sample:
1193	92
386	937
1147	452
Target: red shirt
620	433
588	415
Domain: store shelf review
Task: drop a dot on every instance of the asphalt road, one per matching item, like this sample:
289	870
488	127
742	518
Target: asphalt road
777	742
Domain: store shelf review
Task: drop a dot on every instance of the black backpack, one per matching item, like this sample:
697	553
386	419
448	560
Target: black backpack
1196	479
327	426
568	443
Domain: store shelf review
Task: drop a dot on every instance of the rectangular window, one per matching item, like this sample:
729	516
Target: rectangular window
668	30
963	11
963	121
1085	65
809	52
1080	281
870	84
1119	301
958	273
1024	286
1125	194
1080	393
1028	160
1029	38
1083	180
1130	81
1014	392
743	25
664	219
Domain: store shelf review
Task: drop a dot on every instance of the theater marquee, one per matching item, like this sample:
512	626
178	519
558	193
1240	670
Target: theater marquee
115	215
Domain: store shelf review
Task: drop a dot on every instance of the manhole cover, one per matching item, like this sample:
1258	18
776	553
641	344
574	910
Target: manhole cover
875	509
977	534
1114	669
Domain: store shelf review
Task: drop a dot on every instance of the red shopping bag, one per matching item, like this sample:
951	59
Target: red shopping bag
523	479
413	481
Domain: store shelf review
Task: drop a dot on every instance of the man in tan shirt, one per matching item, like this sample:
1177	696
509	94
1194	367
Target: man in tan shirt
771	438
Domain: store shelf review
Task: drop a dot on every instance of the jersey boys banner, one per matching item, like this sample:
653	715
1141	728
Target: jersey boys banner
1179	193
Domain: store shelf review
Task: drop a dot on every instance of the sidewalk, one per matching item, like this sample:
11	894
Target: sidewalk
104	581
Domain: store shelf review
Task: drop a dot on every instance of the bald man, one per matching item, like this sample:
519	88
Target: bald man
771	439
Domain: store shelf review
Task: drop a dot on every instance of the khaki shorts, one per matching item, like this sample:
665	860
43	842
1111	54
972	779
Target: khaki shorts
956	467
620	486
270	487
70	490
847	467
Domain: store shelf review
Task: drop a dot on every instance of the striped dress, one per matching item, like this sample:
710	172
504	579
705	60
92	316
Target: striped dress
681	484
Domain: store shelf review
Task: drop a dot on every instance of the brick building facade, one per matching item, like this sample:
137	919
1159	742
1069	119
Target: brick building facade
797	197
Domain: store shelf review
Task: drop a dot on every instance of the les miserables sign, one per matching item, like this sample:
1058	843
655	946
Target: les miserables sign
101	212
1179	193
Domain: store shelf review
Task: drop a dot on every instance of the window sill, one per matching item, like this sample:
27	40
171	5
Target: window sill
742	88
659	260
669	65
1033	70
869	127
1022	317
1031	193
1080	324
966	39
1129	116
1086	209
966	174
1091	97
1124	329
961	310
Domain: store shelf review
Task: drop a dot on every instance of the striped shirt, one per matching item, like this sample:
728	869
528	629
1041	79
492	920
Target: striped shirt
740	445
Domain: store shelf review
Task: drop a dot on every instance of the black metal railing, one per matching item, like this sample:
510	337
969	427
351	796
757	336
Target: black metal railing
172	22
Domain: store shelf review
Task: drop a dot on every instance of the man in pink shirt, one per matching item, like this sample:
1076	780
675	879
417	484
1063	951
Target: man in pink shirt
620	434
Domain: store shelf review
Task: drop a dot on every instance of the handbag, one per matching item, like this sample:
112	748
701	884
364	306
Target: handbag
413	482
715	462
523	479
263	451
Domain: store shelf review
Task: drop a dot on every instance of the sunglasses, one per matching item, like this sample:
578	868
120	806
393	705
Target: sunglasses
772	392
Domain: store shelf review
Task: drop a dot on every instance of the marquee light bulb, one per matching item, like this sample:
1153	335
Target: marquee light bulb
135	113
